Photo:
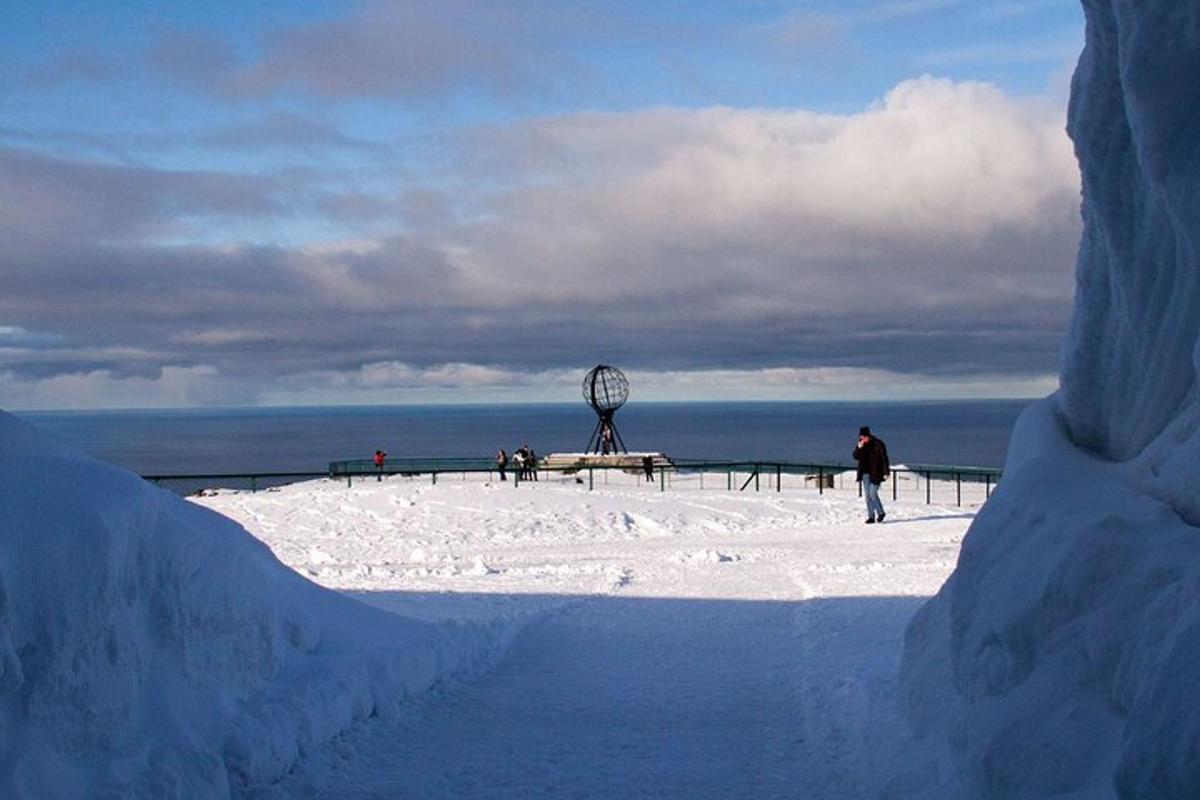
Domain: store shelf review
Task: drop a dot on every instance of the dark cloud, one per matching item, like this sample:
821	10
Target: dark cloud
193	58
408	50
54	202
289	131
933	235
86	65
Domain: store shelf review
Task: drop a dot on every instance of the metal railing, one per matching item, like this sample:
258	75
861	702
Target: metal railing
739	474
190	483
934	481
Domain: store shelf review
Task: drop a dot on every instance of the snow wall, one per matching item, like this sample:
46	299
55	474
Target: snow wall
152	648
1059	660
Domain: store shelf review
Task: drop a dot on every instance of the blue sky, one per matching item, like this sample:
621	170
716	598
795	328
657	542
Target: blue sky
241	203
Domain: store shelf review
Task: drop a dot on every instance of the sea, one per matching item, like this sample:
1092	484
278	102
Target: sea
244	440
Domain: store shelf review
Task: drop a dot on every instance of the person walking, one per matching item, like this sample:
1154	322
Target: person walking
873	469
501	462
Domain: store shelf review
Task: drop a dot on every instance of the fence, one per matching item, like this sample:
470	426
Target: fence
935	483
194	482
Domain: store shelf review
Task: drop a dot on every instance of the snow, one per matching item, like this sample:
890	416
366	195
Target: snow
1058	660
404	638
687	643
150	647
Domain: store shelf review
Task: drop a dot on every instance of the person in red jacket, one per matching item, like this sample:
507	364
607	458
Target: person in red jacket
873	469
380	456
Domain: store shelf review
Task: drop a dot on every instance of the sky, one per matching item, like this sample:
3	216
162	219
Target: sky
279	203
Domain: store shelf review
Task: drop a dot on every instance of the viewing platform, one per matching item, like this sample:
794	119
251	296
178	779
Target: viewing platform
570	463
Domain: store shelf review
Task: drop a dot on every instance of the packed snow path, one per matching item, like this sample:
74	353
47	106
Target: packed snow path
651	698
698	644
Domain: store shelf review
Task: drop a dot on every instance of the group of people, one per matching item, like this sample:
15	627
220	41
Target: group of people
524	461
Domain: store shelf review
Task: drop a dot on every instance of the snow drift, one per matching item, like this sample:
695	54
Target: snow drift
1058	660
150	647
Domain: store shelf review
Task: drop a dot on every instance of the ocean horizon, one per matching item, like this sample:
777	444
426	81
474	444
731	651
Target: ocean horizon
307	438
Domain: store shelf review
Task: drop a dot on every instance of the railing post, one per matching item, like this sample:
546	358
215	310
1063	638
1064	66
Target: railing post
894	482
928	487
729	478
433	475
757	470
987	494
662	479
820	480
958	486
591	478
778	477
253	484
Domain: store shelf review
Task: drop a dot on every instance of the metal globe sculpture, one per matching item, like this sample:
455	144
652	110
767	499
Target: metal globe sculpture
605	389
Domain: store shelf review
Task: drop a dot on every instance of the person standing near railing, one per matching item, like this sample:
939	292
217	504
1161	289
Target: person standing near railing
531	462
501	462
519	463
873	469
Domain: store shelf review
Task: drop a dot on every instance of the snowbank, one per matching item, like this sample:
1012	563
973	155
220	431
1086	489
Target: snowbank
1058	659
150	647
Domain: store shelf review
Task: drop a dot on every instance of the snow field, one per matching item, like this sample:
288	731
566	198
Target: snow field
555	537
662	644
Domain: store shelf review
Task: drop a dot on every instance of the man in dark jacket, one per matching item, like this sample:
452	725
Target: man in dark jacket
872	457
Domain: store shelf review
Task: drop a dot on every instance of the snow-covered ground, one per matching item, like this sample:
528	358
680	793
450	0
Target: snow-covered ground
689	643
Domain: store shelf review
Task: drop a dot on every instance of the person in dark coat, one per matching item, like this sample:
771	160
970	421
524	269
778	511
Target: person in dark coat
873	469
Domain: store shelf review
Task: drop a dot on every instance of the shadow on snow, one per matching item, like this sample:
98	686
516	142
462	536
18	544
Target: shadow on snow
602	696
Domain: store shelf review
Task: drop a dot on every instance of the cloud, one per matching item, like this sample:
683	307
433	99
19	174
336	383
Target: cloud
931	235
932	202
412	50
49	203
279	130
170	387
826	30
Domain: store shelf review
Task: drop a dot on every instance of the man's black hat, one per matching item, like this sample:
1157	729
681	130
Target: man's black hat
864	431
